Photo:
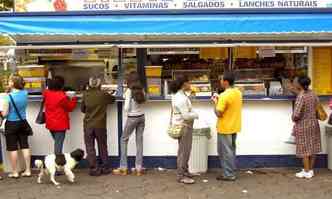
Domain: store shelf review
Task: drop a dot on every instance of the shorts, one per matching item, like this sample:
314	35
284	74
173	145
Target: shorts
14	138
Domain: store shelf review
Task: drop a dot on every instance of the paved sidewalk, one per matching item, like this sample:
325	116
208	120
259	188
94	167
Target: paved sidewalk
261	184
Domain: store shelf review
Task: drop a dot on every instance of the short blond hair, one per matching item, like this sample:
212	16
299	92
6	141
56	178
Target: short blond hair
18	81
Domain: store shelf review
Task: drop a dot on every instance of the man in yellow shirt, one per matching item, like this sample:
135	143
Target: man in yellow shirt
228	109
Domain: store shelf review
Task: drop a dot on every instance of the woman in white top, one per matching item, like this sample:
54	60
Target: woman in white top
183	114
134	98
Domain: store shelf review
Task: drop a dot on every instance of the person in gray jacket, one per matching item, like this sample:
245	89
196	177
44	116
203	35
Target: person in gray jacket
183	114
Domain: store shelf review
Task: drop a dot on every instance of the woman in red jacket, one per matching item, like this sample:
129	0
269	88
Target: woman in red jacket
57	107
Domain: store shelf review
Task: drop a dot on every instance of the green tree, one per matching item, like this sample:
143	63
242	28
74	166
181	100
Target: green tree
6	5
4	75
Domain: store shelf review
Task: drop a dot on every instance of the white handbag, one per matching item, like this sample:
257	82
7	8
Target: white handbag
174	131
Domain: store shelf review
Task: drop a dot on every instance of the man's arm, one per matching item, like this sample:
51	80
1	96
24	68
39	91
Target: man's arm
83	107
109	98
186	113
218	113
220	106
127	97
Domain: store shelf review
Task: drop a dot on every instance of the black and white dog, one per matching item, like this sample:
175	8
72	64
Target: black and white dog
62	162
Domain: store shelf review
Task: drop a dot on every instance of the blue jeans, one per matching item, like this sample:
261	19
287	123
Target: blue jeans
59	138
227	154
136	124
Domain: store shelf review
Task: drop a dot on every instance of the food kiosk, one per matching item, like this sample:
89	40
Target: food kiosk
266	47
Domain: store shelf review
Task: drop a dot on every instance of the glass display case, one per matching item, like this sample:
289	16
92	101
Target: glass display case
153	80
252	88
34	77
253	74
270	75
199	79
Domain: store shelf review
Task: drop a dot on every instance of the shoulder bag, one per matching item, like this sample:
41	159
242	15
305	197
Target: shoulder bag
321	113
41	114
26	128
174	131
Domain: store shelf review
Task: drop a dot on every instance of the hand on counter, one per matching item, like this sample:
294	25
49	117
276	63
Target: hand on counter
71	94
111	92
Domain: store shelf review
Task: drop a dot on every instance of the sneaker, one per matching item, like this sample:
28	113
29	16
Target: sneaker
304	174
308	175
139	172
312	173
95	172
229	179
120	171
189	175
300	174
106	171
186	180
14	175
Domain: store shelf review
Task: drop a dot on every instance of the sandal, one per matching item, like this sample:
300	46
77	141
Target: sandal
119	171
186	180
138	172
12	175
26	174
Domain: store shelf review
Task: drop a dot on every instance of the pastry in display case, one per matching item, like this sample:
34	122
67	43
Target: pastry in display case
254	74
199	79
195	76
154	87
254	88
201	89
275	89
153	80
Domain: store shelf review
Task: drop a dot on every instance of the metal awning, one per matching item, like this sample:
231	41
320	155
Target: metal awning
224	29
143	25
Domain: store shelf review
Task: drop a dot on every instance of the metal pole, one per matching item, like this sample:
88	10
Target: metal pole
120	72
120	95
141	56
230	59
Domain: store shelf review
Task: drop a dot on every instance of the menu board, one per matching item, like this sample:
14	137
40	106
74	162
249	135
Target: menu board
245	52
114	5
213	53
322	70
